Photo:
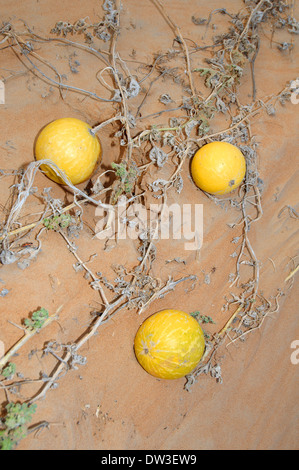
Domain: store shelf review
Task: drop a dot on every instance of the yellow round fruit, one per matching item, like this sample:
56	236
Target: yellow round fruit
218	168
169	344
69	143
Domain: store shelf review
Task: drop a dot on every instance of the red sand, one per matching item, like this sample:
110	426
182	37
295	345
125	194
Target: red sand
112	403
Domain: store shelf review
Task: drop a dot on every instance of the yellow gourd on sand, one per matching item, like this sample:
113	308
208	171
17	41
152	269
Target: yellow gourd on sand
70	144
169	344
218	168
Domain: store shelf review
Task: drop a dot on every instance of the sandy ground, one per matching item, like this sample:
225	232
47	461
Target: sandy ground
111	403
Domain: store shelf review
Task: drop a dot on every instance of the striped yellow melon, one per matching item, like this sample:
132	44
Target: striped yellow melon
169	344
70	144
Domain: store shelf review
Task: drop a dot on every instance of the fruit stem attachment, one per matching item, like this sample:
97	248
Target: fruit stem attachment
95	129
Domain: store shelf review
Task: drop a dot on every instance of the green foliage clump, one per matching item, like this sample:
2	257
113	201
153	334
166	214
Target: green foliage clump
14	425
57	222
202	318
37	319
9	370
205	319
127	178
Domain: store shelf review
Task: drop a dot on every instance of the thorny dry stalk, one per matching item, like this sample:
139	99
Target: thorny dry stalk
229	55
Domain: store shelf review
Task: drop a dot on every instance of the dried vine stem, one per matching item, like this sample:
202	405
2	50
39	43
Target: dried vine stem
260	323
95	279
258	106
292	273
110	309
24	52
230	321
64	364
116	77
179	34
28	334
24	191
253	11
